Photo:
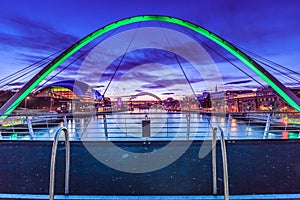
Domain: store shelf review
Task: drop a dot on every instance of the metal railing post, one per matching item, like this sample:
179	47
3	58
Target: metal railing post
209	125
214	160
126	127
248	126
65	121
105	126
225	166
188	118
214	163
53	160
29	124
229	125
267	127
167	127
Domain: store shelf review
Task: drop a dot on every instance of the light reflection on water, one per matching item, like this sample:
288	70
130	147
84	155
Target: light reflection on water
164	125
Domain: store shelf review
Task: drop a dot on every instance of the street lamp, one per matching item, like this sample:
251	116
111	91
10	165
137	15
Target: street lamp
26	99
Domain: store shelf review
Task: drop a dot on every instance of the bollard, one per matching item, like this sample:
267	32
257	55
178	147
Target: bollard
146	127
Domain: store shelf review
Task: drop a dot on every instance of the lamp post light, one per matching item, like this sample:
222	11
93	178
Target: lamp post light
26	99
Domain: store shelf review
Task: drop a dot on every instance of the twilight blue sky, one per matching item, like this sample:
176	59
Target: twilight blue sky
32	29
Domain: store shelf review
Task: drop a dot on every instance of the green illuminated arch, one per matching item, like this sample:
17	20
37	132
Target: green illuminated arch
284	92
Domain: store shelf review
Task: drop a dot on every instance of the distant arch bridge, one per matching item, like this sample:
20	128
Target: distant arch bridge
144	94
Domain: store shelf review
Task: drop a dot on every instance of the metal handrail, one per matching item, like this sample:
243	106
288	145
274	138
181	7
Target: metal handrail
53	159
224	159
240	127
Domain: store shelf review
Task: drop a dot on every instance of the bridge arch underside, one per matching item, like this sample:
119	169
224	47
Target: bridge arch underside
284	92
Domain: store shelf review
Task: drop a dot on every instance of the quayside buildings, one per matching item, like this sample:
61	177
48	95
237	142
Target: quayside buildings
67	96
262	99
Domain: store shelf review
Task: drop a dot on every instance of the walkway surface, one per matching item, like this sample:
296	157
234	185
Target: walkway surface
255	167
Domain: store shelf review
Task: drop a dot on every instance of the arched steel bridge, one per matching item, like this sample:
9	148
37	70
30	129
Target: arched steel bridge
283	91
143	94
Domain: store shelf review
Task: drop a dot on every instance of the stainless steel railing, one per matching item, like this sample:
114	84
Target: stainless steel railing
164	125
53	160
214	162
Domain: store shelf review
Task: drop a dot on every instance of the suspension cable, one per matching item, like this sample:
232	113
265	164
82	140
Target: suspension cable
261	60
277	70
123	56
5	81
237	67
287	75
179	64
226	59
275	93
268	60
22	75
76	59
20	78
25	72
28	67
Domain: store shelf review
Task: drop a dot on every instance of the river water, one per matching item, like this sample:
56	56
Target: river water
171	125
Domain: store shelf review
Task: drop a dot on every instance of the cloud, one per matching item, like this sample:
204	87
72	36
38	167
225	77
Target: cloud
168	93
238	82
30	40
153	86
100	86
16	84
34	35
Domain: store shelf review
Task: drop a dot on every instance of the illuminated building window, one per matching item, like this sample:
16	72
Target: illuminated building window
62	92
